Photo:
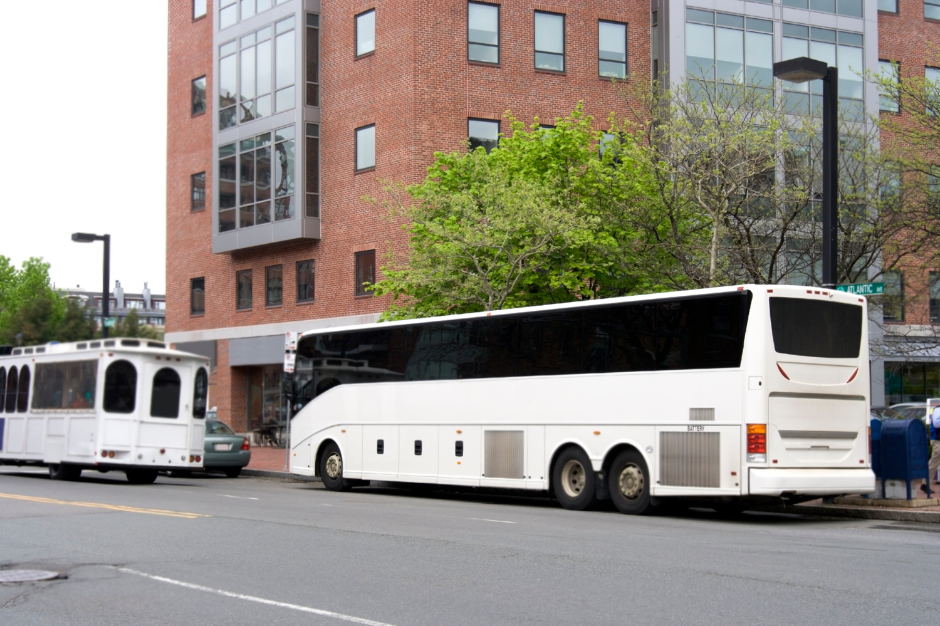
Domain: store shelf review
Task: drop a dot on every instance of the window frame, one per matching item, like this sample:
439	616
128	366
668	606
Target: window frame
356	148
268	270
933	288
499	34
362	254
485	121
313	280
896	10
564	43
192	301
250	284
626	49
192	95
193	207
896	69
899	296
356	53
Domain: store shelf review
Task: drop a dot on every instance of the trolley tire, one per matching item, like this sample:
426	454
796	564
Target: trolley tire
331	468
140	476
232	472
64	472
629	483
573	479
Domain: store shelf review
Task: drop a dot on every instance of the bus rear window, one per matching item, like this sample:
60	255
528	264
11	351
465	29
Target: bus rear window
816	328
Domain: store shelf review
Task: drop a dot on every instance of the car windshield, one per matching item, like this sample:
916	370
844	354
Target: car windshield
889	414
218	428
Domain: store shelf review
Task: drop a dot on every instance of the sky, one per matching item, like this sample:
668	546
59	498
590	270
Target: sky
83	99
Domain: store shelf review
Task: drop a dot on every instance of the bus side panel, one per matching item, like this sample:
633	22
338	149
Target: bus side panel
460	470
535	459
54	448
352	452
698	459
418	456
81	438
35	434
16	435
382	466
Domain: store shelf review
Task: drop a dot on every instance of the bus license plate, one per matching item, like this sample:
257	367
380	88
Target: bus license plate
223	447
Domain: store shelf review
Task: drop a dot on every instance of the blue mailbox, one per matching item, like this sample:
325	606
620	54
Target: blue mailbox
876	447
903	452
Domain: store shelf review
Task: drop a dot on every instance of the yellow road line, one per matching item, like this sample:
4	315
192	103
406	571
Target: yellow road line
109	507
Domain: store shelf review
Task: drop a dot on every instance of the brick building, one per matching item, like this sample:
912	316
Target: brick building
284	114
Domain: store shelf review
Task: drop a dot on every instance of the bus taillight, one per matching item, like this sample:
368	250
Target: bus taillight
756	443
246	445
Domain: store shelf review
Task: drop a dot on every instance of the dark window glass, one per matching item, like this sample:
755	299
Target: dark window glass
198	185
305	281
611	49
120	387
893	299
482	32
380	446
365	33
22	393
11	391
549	41
165	401
199	95
816	328
197	296
67	385
365	271
483	133
417	447
934	289
243	289
458	448
3	386
273	285
199	8
200	394
312	53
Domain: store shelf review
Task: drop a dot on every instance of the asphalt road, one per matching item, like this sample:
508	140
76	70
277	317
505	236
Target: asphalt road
212	550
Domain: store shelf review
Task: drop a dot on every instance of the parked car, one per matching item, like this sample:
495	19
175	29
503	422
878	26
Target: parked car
883	413
911	411
225	450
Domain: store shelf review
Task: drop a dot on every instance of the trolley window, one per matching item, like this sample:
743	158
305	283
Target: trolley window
120	387
10	401
3	386
66	385
22	396
165	400
816	328
200	394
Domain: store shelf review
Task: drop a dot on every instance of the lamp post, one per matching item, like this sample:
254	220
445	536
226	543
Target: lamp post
801	70
106	291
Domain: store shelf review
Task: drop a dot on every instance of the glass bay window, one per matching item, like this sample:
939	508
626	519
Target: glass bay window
729	48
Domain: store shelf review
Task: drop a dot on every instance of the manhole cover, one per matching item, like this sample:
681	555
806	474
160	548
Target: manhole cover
25	575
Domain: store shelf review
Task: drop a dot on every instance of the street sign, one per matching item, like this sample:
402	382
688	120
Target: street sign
863	289
290	340
289	362
109	322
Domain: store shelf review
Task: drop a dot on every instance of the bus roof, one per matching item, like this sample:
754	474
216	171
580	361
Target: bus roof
126	345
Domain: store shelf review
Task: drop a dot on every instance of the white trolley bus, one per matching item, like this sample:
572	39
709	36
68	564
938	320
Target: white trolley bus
758	392
121	404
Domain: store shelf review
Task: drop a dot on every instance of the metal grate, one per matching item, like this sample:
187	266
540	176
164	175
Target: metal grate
503	453
690	459
702	415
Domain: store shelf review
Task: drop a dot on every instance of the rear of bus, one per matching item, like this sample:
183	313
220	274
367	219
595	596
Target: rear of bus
807	403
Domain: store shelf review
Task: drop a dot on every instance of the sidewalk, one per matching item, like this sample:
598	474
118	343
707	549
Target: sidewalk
269	459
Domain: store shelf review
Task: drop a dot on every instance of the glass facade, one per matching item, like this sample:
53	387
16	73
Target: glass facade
232	12
265	175
911	382
836	48
851	8
266	415
729	48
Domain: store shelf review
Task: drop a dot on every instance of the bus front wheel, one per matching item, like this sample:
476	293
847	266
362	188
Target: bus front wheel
331	468
629	483
140	476
573	479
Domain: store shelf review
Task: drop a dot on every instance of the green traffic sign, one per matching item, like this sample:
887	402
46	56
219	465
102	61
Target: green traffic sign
109	322
863	289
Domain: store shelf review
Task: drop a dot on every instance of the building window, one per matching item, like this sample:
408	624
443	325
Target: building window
199	96
889	71
932	9
549	41
482	32
483	133
230	13
911	382
312	165
611	49
273	285
254	173
197	296
243	289
365	147
313	60
932	76
654	42
851	8
256	74
729	48
198	191
888	6
893	298
305	282
934	291
836	48
365	33
365	271
199	9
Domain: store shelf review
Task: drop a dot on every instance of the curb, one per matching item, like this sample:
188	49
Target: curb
282	475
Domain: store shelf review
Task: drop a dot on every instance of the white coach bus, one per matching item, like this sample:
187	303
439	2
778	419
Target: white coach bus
130	405
758	392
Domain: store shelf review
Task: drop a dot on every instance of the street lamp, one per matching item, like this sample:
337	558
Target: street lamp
801	70
106	291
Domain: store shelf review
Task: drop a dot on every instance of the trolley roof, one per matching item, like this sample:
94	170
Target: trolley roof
123	345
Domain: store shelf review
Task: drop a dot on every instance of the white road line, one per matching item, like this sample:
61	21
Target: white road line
498	521
239	596
239	497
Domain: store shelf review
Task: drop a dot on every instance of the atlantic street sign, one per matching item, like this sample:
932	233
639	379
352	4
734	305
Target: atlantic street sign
864	289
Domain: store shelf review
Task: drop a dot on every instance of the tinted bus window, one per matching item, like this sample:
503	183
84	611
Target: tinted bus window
120	387
165	398
68	385
3	386
22	396
200	394
816	328
11	391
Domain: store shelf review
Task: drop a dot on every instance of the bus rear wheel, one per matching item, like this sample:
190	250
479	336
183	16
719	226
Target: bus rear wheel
140	476
628	482
573	479
64	472
331	468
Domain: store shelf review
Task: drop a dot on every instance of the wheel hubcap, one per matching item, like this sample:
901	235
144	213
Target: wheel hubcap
334	466
631	482
573	478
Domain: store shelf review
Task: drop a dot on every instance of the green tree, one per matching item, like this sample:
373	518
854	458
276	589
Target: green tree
28	304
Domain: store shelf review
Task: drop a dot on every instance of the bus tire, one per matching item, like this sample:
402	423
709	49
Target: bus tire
64	472
629	483
140	476
331	468
232	472
574	479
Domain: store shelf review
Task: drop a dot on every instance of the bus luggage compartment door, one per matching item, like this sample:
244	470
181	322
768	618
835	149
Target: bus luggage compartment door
817	431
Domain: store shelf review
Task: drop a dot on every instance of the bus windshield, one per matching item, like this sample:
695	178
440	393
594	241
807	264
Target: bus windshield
816	328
